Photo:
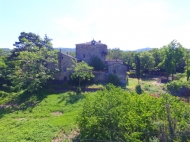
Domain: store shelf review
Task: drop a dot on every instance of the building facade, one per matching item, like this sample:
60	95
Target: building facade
65	63
86	51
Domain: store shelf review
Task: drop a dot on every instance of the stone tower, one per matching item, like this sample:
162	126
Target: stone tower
85	51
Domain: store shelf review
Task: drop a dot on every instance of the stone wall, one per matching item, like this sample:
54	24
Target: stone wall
119	70
100	76
86	51
64	64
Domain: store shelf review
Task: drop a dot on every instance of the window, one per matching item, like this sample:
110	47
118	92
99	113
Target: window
83	55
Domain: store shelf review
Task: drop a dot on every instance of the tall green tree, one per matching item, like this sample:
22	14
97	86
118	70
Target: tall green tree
82	71
27	42
173	57
32	62
32	69
147	61
157	55
187	67
138	68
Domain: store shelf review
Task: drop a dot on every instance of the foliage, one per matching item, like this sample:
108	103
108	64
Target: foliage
97	64
3	68
116	115
27	42
115	53
173	57
32	63
179	76
32	69
138	89
81	71
187	67
177	84
147	61
113	79
138	69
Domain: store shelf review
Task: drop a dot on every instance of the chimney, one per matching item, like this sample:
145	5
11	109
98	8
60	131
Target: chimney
99	41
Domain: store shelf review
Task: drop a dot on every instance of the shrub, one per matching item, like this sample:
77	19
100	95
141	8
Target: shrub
97	63
178	76
117	115
113	79
138	89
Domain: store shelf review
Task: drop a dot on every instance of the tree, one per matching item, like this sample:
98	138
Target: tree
173	57
147	61
113	79
27	42
129	58
97	64
138	68
2	70
32	62
157	55
187	67
115	53
32	69
82	71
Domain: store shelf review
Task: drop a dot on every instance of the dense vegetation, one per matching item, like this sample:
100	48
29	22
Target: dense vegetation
28	112
116	115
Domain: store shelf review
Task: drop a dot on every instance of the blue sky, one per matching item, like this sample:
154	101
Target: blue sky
127	24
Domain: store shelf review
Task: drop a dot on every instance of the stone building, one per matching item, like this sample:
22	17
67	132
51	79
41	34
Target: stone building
85	51
118	68
64	65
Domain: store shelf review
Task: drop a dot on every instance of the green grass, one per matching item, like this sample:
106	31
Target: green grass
149	86
43	116
51	115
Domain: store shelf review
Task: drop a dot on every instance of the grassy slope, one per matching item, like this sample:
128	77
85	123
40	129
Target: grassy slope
43	122
52	115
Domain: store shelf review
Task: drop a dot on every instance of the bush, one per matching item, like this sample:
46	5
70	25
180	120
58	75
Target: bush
113	79
97	63
178	76
177	84
117	115
138	89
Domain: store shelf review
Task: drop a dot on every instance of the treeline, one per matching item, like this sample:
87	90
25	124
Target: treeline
171	58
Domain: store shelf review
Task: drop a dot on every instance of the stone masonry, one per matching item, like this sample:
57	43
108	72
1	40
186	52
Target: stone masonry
85	51
64	64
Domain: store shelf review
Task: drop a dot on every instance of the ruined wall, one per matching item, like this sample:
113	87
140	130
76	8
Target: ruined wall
64	63
86	51
119	70
100	76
